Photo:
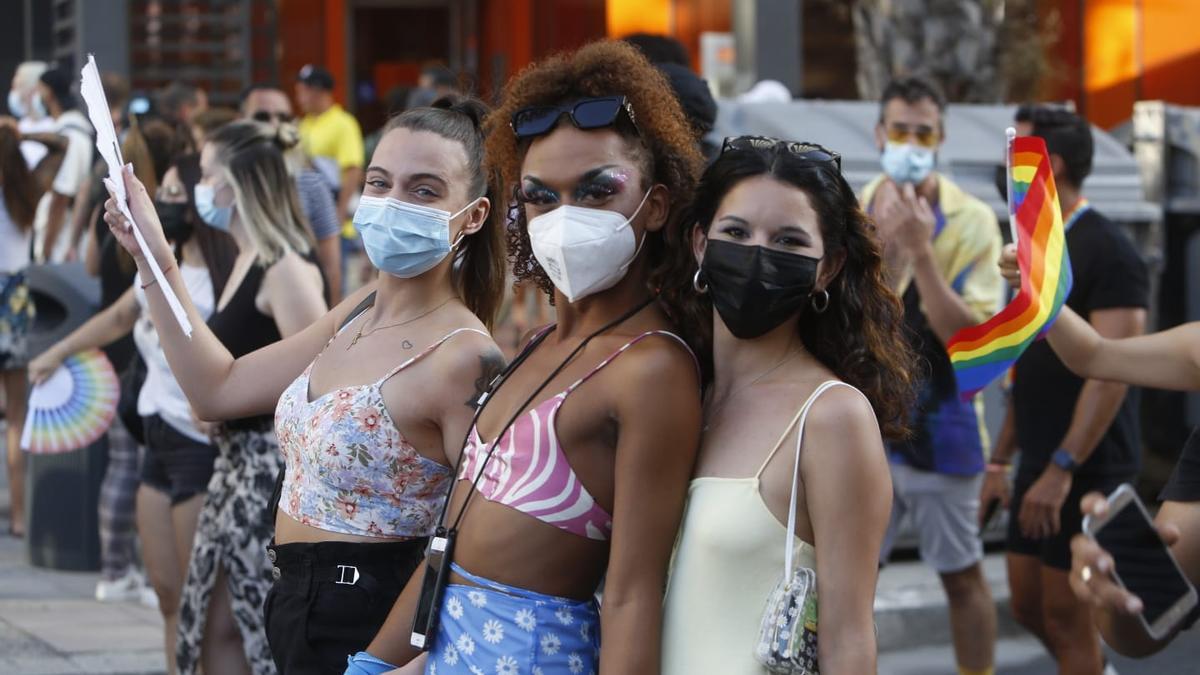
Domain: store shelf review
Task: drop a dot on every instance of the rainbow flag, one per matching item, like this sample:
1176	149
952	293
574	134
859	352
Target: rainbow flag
982	353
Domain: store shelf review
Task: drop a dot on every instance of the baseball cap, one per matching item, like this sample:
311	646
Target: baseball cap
316	76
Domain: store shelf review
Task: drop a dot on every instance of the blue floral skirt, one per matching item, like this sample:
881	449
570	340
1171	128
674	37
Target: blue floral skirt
501	630
16	319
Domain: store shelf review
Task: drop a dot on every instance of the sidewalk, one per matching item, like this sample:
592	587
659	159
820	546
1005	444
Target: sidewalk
911	609
51	624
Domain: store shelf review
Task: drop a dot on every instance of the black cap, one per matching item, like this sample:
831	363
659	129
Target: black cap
59	83
316	76
693	94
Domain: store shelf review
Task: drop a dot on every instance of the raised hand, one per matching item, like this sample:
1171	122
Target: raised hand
141	206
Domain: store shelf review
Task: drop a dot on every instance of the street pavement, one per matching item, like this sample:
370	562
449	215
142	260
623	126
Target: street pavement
50	624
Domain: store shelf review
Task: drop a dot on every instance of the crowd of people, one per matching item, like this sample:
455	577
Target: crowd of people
761	354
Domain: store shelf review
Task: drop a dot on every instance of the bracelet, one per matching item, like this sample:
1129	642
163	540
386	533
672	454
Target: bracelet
154	280
997	467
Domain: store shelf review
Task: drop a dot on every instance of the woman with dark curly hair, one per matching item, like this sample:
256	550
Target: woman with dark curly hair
806	356
565	489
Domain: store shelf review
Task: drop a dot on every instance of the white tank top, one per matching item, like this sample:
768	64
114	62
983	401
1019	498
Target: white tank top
161	394
14	244
728	558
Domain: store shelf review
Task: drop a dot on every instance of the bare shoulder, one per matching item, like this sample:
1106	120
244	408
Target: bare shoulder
655	361
842	424
468	362
342	311
291	270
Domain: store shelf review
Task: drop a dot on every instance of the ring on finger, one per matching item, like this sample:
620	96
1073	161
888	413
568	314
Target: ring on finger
1086	573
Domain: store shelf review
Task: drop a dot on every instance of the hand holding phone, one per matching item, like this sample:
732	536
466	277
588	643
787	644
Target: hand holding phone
1124	564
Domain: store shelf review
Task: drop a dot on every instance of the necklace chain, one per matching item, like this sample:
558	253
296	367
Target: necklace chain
360	334
712	410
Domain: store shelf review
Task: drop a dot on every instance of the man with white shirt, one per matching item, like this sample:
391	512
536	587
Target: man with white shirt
54	94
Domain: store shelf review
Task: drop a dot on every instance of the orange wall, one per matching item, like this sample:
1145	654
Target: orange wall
1115	52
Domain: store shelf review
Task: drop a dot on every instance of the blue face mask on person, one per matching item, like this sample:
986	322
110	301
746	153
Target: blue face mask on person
404	240
907	163
217	217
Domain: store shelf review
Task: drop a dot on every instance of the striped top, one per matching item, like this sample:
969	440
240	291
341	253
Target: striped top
529	470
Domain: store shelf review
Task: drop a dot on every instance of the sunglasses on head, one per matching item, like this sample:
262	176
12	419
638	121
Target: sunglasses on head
899	133
810	152
587	113
266	117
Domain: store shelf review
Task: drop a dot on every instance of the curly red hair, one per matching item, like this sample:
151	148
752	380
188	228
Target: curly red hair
663	141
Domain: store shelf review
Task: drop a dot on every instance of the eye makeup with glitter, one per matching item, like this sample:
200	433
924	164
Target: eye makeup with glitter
534	191
602	183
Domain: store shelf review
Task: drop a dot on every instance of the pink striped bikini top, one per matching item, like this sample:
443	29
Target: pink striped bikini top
529	470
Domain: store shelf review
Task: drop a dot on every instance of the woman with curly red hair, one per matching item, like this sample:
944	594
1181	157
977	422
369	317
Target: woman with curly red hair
566	490
807	371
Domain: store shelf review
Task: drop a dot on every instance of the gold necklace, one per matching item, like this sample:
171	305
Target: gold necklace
360	334
712	411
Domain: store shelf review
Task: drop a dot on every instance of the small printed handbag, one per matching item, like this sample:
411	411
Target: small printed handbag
787	639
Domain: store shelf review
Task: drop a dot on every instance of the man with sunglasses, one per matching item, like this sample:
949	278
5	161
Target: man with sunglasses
269	105
941	248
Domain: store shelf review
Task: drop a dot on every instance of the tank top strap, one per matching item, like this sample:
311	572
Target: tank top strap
428	350
799	417
627	345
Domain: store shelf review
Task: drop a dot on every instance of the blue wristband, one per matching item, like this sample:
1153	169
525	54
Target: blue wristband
363	663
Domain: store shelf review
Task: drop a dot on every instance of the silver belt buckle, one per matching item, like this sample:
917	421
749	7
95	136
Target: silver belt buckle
342	574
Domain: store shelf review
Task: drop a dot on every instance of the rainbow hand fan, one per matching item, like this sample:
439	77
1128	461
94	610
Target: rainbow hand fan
73	407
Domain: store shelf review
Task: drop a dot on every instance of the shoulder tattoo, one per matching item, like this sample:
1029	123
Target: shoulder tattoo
491	365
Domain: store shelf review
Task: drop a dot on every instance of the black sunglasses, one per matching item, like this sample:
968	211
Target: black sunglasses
810	152
266	117
587	113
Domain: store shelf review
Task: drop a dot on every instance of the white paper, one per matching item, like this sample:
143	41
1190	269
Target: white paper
53	392
92	91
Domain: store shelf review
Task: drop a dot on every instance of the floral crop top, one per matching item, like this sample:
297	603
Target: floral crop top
349	470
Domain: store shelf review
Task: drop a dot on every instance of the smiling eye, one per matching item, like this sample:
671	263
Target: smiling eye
425	193
378	183
790	241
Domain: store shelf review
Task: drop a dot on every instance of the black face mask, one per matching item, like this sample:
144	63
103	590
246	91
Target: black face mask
755	289
175	223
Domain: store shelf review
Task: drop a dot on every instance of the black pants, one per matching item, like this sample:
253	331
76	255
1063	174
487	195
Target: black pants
330	598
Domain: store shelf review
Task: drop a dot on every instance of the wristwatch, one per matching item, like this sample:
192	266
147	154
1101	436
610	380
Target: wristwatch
1063	460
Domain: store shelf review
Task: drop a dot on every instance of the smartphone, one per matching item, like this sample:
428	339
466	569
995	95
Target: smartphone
1144	564
438	556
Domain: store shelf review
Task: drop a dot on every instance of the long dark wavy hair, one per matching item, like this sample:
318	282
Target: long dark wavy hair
663	140
860	336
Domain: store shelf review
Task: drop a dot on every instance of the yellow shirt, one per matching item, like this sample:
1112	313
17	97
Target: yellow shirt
966	247
334	141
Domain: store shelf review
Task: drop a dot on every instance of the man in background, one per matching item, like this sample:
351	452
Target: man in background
942	247
332	138
1074	435
269	105
54	210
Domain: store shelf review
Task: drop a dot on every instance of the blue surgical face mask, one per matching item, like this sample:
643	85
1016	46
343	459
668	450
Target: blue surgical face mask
39	106
15	105
402	239
217	217
907	163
